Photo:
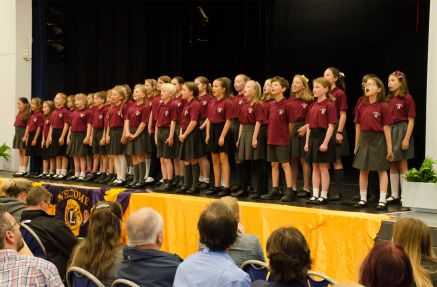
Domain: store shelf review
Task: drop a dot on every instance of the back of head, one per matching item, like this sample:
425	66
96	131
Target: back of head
13	187
143	227
217	226
232	202
36	195
289	255
386	265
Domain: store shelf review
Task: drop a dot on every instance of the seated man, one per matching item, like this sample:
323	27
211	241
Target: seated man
143	262
18	270
213	266
246	246
54	234
13	194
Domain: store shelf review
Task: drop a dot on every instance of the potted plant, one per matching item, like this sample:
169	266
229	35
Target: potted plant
419	187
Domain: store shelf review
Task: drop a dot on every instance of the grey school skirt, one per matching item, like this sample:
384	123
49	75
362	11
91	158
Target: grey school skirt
314	155
343	148
19	134
97	148
115	146
138	145
398	132
245	149
192	147
297	143
372	152
77	147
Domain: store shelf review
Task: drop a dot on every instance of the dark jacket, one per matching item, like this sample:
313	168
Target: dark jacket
149	267
13	206
260	283
54	234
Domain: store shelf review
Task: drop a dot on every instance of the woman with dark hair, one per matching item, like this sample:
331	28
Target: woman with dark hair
13	195
386	265
289	257
100	253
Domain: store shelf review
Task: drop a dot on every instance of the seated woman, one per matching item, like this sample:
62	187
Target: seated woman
386	265
289	256
100	253
13	193
414	237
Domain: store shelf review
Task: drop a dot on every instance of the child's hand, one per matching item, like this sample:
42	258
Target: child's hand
339	138
323	147
33	143
182	137
254	143
86	140
221	141
123	140
62	141
108	139
405	144
301	131
68	141
169	141
390	155
305	148
206	139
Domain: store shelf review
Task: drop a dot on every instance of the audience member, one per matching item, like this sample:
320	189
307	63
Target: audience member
213	266
289	257
414	237
246	246
54	234
17	270
386	265
143	261
13	193
102	244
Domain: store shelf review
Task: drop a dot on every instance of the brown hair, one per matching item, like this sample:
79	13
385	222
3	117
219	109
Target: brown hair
325	83
165	79
101	95
232	202
381	95
38	102
289	255
265	96
51	106
283	82
13	187
205	81
102	242
26	110
226	83
37	194
403	89
127	91
192	87
153	83
340	83
217	226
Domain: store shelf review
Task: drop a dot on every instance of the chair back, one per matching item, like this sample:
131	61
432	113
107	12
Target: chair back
33	241
79	277
124	283
257	270
324	282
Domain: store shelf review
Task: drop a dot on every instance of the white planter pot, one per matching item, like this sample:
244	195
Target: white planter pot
419	196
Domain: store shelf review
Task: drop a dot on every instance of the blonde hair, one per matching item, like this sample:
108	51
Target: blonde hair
257	88
306	96
325	83
414	237
13	187
153	83
232	203
168	88
71	99
63	97
82	97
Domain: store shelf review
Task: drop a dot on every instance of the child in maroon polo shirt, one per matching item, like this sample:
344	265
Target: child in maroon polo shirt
178	82
278	139
20	128
33	136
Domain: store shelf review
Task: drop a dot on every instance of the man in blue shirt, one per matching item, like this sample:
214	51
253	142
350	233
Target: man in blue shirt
213	267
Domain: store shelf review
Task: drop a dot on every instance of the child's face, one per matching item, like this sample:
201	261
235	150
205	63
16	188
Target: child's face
186	93
217	89
277	89
249	91
319	90
175	83
79	103
116	97
159	84
239	83
297	85
45	108
393	83
138	95
329	76
148	87
371	88
59	101
90	100
165	95
33	105
20	106
98	101
267	88
200	86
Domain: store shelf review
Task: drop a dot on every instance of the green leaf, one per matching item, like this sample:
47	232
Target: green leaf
4	151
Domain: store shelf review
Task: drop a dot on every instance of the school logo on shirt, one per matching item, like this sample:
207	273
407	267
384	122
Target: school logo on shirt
60	115
100	117
399	106
304	105
281	112
376	114
250	110
220	110
47	122
186	112
82	115
34	120
137	113
334	99
166	113
179	104
161	101
150	104
204	103
323	111
240	102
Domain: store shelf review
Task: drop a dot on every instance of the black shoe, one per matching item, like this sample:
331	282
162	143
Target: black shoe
303	194
393	200
255	195
203	185
224	192
110	178
312	200
289	196
322	201
180	184
236	188
336	196
381	206
193	190
182	189
73	177
18	174
213	191
360	204
131	184
40	176
119	183
103	178
81	178
61	177
274	193
138	185
240	193
91	177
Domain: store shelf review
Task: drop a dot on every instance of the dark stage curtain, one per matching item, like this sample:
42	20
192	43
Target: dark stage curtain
39	51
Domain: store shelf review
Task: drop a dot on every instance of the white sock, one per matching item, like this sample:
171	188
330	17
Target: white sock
117	166
82	174
20	169
382	196
315	192
64	171
324	194
147	161
130	170
58	171
206	179
200	178
76	173
123	165
363	195
394	183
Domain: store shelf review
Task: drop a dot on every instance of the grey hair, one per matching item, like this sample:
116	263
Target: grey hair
4	225
143	226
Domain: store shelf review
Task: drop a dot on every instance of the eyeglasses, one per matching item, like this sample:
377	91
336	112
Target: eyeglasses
12	226
371	84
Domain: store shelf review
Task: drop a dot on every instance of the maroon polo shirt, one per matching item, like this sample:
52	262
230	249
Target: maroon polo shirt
138	114
373	117
58	118
80	119
191	112
266	105
70	116
204	102
339	100
19	120
320	115
155	102
277	131
402	108
298	109
237	103
166	114
358	104
35	121
98	115
46	127
251	113
116	115
180	103
220	111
